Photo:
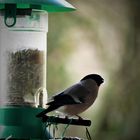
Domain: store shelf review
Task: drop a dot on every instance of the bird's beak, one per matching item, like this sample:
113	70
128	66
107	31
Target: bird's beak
102	80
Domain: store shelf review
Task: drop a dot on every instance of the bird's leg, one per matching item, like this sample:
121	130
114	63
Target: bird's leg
66	117
79	117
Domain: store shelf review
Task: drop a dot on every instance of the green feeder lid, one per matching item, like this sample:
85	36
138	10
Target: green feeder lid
48	5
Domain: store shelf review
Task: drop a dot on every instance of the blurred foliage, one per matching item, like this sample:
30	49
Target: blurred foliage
113	30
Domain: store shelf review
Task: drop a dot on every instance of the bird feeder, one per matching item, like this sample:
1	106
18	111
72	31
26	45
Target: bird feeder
23	47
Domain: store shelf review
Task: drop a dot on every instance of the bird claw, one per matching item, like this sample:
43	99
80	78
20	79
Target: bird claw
79	117
66	117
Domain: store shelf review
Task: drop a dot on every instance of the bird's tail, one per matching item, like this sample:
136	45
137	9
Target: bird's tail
49	109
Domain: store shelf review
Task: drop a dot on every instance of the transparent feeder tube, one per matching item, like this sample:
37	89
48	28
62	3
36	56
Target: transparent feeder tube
23	50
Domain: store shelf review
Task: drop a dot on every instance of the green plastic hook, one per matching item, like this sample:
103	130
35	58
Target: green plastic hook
10	15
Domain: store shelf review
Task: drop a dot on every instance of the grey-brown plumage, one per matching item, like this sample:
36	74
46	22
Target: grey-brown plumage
77	98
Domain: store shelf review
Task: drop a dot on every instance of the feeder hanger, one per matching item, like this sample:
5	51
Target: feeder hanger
13	8
11	12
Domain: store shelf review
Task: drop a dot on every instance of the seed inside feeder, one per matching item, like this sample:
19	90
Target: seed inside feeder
25	76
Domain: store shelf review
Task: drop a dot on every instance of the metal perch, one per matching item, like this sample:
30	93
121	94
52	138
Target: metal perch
66	120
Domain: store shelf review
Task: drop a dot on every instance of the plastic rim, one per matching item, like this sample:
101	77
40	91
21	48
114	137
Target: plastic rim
48	5
21	123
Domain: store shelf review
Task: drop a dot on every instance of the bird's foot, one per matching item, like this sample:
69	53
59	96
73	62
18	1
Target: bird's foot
79	117
66	117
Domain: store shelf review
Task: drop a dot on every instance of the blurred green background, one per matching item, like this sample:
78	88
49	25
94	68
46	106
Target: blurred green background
101	36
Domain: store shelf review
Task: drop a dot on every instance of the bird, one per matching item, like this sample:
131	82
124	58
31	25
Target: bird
77	98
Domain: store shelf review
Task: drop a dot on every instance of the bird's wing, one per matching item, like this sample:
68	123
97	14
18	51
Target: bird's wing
62	100
73	95
76	94
58	101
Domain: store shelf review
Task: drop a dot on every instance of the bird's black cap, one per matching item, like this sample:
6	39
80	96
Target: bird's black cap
97	78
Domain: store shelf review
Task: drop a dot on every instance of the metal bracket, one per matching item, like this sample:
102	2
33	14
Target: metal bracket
10	15
11	11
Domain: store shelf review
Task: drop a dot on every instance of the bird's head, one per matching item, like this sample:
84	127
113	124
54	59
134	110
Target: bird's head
97	78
